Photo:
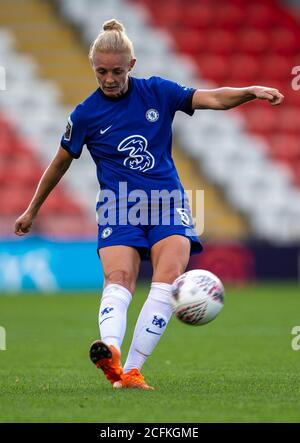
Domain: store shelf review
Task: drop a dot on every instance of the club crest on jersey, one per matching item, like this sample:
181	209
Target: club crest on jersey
68	131
106	232
152	115
139	158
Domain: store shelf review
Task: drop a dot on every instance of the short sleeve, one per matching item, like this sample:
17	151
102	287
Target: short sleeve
179	96
74	137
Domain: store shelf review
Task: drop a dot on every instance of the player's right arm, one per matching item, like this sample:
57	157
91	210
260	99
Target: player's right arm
57	168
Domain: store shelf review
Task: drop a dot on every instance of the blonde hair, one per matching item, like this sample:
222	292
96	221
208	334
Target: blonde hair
112	38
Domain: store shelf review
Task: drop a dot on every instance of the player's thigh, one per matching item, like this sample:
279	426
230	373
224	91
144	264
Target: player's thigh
120	265
170	257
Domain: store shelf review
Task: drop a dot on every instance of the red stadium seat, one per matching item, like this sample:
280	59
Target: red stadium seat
292	97
219	42
252	41
289	120
198	16
260	15
165	16
229	16
213	67
14	200
58	203
20	174
284	41
244	68
260	120
284	146
275	67
189	42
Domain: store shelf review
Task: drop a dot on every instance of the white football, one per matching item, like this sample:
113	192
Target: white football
197	297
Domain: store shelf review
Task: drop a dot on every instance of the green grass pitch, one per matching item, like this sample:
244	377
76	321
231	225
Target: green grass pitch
239	368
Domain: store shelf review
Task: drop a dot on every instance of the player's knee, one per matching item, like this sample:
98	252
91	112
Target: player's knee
123	278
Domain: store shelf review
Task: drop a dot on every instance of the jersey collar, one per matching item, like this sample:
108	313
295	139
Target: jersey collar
121	97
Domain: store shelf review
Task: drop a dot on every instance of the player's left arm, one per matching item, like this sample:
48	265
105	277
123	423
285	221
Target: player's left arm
227	98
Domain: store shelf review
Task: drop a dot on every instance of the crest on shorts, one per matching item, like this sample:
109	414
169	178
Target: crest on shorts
68	131
184	216
106	232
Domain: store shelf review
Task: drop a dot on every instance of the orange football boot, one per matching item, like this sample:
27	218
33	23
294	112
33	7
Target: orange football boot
132	379
108	359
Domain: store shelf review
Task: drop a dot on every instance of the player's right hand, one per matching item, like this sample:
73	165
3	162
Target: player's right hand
23	223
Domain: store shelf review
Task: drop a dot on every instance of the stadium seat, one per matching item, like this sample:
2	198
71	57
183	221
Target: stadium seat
292	97
229	16
14	200
165	16
57	203
261	120
285	146
252	41
24	175
213	67
190	41
243	68
198	16
289	120
220	42
275	67
284	41
260	15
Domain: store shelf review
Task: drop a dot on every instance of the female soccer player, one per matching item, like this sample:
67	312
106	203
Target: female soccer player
142	211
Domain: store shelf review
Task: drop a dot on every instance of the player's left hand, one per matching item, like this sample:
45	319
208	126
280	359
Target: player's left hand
273	96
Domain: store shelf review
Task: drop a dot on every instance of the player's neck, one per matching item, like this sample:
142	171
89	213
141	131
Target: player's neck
125	91
126	88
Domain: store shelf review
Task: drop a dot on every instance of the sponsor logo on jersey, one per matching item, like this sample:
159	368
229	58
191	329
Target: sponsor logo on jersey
152	115
139	158
68	131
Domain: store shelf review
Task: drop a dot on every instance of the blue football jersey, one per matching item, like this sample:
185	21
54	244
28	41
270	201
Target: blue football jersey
130	137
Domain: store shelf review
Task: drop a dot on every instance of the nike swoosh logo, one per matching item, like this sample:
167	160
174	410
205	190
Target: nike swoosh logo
152	332
102	131
105	319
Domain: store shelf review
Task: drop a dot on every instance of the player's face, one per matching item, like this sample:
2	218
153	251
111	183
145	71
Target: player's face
111	70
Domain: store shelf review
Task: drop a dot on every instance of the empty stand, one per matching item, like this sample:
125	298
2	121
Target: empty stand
238	43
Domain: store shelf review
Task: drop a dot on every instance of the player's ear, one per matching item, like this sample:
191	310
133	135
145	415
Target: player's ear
132	63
